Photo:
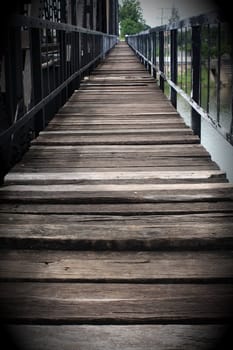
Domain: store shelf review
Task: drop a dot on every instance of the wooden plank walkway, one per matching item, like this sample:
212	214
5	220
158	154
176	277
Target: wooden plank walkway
116	228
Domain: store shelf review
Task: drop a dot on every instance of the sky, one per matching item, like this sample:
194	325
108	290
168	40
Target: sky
157	12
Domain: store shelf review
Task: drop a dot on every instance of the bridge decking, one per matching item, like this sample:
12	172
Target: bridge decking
116	228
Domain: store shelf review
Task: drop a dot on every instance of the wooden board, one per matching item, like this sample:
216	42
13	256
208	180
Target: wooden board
116	228
128	266
127	337
125	193
115	303
143	139
115	177
102	236
122	209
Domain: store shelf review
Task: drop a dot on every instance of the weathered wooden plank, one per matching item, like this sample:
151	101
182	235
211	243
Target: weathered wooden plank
122	75
184	131
130	97
129	92
107	121
133	159
114	162
129	267
130	107
118	87
204	236
101	164
112	102
116	139
70	168
137	76
79	126
116	115
115	303
120	177
128	337
127	117
121	109
118	83
108	128
97	94
116	220
150	196
117	98
122	209
117	188
189	149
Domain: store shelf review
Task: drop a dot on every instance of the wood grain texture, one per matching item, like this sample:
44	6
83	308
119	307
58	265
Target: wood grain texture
127	337
116	227
78	194
115	303
122	209
129	267
117	176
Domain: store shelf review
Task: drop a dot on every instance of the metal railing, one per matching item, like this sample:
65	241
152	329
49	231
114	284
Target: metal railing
193	58
44	63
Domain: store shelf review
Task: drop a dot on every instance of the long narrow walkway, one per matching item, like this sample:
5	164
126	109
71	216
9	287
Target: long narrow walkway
116	228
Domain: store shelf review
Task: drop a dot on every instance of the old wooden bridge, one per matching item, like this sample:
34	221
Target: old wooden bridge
116	226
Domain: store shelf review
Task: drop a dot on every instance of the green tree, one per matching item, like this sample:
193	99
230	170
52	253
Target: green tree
131	18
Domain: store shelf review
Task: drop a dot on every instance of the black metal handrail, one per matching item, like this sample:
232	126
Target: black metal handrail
44	63
194	58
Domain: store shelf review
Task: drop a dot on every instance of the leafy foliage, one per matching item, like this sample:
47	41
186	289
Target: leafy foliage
131	18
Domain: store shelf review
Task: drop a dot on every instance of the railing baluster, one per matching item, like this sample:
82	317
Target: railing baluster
151	38
161	58
37	76
192	85
219	71
196	63
173	63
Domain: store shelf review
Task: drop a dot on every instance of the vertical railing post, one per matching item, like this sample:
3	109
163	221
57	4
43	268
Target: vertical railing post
14	79
143	48
148	51
161	59
37	78
218	72
62	65
230	135
78	56
173	65
152	53
196	64
155	55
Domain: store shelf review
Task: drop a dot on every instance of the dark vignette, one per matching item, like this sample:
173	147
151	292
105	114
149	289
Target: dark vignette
7	341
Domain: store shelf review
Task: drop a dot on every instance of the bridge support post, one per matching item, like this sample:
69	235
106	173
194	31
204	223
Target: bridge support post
196	64
174	65
161	59
14	78
39	119
151	38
